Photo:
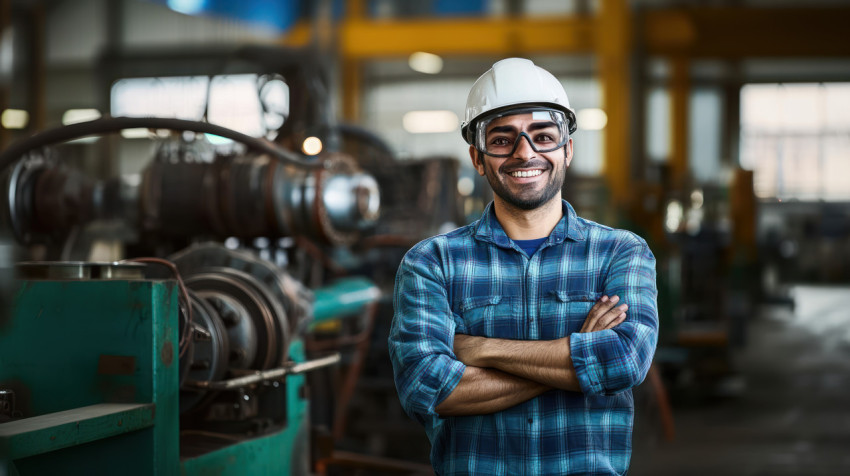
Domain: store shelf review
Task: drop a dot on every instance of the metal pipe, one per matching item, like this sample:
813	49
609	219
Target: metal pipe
115	124
292	368
344	297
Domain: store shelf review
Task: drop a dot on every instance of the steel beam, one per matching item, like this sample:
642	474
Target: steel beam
736	32
363	38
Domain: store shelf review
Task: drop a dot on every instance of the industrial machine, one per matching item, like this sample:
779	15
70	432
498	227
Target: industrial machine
191	358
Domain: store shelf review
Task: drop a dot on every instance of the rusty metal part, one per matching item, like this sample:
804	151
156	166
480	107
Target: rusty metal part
245	196
46	201
295	298
251	309
251	196
263	340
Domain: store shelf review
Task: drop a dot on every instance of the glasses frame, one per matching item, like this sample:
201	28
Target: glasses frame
480	138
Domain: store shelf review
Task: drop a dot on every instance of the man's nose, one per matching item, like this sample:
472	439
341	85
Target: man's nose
524	150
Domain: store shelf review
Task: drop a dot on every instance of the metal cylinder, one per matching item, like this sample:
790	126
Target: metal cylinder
252	196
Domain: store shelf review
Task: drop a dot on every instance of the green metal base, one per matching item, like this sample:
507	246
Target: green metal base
94	367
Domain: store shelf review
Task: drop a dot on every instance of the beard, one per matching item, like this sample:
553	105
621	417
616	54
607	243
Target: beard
527	198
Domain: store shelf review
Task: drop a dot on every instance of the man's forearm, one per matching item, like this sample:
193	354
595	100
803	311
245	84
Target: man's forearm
544	362
481	391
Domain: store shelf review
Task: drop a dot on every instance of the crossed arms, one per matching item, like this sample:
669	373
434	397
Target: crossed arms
439	372
501	373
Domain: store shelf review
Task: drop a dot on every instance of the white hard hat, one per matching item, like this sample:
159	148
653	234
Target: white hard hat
510	83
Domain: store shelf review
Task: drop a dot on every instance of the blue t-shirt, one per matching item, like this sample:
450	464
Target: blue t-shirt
530	246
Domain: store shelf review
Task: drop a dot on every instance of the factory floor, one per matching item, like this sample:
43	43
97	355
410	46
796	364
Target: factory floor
785	411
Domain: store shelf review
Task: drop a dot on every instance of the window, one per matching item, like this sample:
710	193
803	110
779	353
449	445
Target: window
796	139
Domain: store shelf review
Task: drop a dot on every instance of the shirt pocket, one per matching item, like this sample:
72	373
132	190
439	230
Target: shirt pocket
563	312
491	316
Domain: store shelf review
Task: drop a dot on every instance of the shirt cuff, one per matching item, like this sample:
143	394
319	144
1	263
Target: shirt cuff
587	366
452	376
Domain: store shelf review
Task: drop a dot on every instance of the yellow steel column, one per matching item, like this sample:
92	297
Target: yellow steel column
351	68
351	89
679	96
613	38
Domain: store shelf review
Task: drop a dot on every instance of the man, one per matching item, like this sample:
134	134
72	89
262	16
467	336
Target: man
517	339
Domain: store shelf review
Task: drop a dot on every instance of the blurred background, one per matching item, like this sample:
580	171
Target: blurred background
284	154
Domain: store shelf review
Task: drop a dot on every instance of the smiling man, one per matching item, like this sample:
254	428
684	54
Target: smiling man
517	339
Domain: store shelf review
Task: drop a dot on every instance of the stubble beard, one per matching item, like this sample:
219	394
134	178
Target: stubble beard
553	188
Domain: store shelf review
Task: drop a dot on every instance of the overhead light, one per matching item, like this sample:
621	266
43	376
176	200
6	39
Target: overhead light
312	146
73	116
425	122
14	119
592	119
425	62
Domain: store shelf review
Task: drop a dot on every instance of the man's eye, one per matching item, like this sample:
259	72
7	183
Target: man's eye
500	141
544	138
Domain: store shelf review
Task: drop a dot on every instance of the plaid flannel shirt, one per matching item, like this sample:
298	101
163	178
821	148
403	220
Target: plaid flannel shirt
476	281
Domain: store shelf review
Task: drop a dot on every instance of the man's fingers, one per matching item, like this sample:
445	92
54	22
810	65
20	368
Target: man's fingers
602	306
605	314
612	317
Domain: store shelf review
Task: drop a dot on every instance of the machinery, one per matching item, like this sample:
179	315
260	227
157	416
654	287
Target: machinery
192	364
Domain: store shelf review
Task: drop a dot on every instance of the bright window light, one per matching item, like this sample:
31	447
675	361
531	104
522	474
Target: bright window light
426	122
73	116
15	119
231	101
425	63
218	140
189	7
312	146
794	138
135	133
235	104
179	98
592	119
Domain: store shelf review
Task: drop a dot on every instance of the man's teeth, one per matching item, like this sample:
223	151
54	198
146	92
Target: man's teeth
526	173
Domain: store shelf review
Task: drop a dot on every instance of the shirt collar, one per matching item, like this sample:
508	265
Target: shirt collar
569	227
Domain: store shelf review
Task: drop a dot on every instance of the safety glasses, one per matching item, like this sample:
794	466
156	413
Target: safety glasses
497	137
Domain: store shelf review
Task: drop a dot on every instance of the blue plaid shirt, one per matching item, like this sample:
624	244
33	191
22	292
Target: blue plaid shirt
476	281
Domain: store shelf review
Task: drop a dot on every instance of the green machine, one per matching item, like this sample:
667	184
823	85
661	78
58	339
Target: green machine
108	369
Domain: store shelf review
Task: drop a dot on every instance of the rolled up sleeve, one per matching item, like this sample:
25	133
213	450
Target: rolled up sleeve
421	338
617	359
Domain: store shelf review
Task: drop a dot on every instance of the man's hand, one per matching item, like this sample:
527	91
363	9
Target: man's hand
605	314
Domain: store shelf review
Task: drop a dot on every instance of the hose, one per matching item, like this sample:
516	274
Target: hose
114	124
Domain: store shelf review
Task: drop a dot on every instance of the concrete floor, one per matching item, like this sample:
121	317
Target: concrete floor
790	414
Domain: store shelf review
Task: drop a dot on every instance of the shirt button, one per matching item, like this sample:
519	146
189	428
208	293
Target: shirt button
531	420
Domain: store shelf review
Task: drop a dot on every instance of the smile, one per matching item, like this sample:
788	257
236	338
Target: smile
525	173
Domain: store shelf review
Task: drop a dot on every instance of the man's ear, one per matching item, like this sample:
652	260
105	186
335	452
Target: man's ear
476	160
568	152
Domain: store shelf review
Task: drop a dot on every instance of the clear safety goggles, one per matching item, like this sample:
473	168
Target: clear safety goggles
547	131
